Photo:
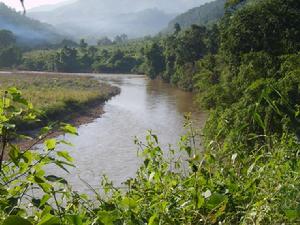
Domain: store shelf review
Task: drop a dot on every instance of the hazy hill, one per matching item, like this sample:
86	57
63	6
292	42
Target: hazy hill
50	7
141	23
110	17
27	30
202	15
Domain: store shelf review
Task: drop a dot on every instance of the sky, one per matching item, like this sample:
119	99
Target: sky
29	3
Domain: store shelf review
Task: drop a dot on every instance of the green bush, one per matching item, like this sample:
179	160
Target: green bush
216	185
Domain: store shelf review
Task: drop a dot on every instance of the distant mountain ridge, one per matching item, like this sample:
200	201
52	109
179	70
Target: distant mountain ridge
28	31
203	15
50	7
136	18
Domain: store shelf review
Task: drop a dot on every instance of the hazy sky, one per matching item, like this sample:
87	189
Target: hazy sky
29	3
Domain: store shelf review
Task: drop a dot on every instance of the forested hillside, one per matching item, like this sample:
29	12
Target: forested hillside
206	14
135	18
28	31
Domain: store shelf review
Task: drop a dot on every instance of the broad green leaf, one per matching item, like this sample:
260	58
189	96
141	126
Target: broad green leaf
292	214
47	188
44	130
39	180
17	96
53	178
16	220
75	220
70	129
216	200
44	199
108	217
6	102
50	144
14	154
153	220
28	157
13	90
30	117
49	220
129	203
65	155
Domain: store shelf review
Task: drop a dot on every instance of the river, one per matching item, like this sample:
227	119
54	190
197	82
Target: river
106	146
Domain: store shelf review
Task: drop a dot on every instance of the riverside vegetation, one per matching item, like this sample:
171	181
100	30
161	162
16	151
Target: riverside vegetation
57	96
245	70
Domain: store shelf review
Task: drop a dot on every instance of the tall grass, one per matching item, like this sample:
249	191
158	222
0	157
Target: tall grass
58	95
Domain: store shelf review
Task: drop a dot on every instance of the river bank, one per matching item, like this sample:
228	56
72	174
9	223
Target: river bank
85	115
58	98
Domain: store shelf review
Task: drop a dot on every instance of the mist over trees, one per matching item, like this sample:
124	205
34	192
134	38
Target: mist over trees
136	18
27	31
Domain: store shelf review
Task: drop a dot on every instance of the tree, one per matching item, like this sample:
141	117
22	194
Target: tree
7	38
170	53
69	43
213	39
92	51
10	56
83	45
177	28
68	60
271	26
104	41
119	39
155	60
124	37
85	62
234	4
192	46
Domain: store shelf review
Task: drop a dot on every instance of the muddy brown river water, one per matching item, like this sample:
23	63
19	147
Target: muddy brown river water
106	146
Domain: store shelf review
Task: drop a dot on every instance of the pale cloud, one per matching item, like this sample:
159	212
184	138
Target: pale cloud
29	3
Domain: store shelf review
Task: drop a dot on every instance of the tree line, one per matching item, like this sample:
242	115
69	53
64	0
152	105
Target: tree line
69	56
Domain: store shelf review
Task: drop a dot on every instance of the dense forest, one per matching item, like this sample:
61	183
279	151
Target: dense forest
10	54
110	56
244	69
84	58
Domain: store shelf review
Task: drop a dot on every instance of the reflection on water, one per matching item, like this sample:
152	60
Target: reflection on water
106	145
